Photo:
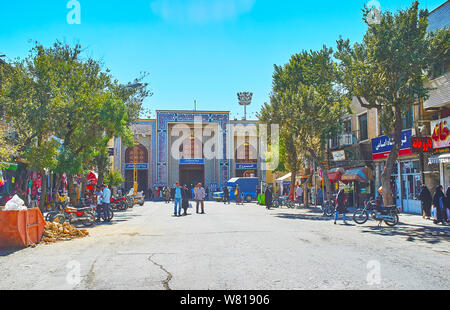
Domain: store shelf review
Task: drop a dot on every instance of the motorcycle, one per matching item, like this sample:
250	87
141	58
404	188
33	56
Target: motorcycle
371	210
119	204
283	202
84	214
104	212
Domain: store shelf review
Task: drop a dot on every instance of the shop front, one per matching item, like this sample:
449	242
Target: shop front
358	186
406	177
440	130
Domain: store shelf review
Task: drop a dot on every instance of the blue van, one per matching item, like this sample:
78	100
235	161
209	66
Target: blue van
247	186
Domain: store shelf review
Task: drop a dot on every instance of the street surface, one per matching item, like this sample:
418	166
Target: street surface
236	247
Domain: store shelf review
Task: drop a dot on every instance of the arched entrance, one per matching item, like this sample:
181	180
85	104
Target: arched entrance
138	154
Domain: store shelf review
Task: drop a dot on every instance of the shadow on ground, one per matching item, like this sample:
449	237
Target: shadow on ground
413	232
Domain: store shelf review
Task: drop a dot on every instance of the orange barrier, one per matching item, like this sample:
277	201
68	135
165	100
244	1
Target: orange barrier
19	229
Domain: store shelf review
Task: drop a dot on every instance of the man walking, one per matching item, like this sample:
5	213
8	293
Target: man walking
200	197
268	197
177	198
106	202
299	194
185	194
226	195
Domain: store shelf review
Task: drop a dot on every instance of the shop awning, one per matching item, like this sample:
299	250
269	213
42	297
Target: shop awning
439	159
287	177
358	175
335	175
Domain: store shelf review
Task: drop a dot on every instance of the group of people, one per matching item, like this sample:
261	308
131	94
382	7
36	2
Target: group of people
183	195
439	202
167	194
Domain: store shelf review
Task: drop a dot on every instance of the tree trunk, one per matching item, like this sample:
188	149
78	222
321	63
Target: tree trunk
83	187
71	189
43	200
386	175
292	189
325	178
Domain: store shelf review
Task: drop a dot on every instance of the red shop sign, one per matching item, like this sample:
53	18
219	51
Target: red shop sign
421	145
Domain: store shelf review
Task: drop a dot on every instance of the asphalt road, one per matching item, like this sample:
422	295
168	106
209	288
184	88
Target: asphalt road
236	247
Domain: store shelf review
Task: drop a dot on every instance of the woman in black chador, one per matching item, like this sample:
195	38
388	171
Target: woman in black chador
426	201
439	204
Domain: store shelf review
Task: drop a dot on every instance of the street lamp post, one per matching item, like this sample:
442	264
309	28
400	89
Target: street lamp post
245	99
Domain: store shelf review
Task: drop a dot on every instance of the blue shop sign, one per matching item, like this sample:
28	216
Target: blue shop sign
130	166
246	166
382	146
192	161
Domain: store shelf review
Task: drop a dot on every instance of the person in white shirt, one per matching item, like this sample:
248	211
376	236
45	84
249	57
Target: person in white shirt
200	195
299	194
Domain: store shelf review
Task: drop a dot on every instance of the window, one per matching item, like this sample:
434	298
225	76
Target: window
363	127
348	127
408	119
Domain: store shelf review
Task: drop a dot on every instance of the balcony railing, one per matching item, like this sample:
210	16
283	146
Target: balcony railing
344	140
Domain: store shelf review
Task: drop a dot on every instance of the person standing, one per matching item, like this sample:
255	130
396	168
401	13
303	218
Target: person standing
299	194
237	194
106	202
185	195
226	195
426	201
177	198
438	204
447	206
340	206
150	194
200	195
268	197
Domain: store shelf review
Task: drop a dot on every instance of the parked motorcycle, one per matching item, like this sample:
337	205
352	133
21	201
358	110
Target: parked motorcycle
84	214
371	210
278	202
104	212
119	204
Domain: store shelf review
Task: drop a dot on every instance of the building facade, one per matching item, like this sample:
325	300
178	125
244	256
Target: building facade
190	147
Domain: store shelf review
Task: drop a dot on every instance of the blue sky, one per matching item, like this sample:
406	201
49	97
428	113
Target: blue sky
206	50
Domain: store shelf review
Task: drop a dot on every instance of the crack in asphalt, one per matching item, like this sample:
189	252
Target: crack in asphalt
165	282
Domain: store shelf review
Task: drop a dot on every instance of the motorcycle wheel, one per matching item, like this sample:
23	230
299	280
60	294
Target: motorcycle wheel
58	218
393	223
90	221
290	204
360	216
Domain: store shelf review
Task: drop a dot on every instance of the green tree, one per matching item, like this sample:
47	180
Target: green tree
387	72
308	105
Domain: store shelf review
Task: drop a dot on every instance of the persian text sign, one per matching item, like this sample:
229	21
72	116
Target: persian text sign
440	133
421	145
140	166
382	146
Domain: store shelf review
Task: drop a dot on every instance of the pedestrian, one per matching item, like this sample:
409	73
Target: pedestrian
319	196
426	201
106	201
340	206
167	194
237	194
299	194
226	195
200	197
268	197
185	195
150	194
438	205
447	206
178	198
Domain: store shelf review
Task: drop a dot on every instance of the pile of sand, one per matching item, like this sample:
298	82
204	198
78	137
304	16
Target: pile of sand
54	232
